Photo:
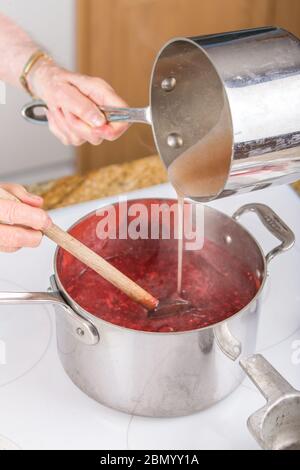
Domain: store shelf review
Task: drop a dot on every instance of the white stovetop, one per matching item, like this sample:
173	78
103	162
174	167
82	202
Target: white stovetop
40	408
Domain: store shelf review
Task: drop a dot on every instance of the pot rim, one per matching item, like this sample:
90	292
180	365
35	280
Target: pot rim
89	316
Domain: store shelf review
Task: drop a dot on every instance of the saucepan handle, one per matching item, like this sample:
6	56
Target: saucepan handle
82	328
31	297
227	342
273	223
34	112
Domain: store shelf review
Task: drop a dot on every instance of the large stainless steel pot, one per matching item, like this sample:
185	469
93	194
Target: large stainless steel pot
224	111
164	374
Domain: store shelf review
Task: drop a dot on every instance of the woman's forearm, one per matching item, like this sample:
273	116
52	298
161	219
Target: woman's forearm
16	47
73	100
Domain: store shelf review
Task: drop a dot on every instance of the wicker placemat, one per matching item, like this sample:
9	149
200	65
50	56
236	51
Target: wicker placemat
106	181
296	186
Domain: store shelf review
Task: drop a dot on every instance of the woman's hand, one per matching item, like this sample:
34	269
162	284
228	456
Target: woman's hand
21	222
73	101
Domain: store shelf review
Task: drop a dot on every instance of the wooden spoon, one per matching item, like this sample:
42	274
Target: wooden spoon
95	262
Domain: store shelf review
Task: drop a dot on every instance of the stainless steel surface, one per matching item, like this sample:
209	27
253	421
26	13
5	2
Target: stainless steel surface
276	426
34	112
174	140
163	374
236	107
32	297
228	344
168	84
273	223
171	307
131	115
73	321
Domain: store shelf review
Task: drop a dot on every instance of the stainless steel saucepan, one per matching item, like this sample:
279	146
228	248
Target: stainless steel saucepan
163	374
224	111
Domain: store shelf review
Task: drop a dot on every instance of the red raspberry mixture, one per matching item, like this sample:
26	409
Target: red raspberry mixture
216	283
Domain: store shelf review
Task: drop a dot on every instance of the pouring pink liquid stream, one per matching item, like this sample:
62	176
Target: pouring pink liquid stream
180	234
200	171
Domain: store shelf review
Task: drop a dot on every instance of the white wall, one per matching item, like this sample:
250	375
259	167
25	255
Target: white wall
29	152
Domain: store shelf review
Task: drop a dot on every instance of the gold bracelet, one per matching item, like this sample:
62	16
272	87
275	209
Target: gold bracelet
33	59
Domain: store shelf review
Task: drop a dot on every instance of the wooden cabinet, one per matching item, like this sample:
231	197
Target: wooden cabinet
119	39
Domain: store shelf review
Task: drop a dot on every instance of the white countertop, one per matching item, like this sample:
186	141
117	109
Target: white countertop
40	408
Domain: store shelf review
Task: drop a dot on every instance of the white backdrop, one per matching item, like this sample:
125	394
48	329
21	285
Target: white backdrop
29	152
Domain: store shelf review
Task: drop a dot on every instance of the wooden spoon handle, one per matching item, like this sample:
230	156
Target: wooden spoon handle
95	262
101	266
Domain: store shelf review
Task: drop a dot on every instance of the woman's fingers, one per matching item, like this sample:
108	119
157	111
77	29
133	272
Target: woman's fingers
70	133
23	195
113	130
16	216
102	94
18	213
55	129
5	249
71	130
97	90
13	238
84	132
73	101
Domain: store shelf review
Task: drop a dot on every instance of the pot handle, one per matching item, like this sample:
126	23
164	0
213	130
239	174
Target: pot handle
273	223
229	344
82	329
267	379
34	112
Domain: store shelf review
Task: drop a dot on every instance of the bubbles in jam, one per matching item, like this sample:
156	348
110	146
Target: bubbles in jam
216	283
